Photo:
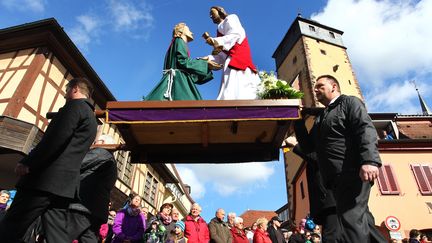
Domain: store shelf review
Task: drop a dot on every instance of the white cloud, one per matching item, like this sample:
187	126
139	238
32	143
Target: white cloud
128	16
89	23
400	97
227	179
189	177
119	16
24	5
386	40
86	30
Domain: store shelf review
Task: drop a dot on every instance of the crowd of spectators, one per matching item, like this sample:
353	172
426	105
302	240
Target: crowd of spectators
132	224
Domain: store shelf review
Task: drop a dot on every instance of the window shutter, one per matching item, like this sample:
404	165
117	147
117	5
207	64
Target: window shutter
428	173
382	182
422	174
387	181
394	188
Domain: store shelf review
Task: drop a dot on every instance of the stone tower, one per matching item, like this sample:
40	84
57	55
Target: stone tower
310	49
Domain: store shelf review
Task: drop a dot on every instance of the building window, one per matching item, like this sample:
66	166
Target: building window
302	190
124	167
153	191
147	186
387	181
311	28
295	60
295	83
120	158
284	215
127	175
150	189
323	52
423	176
332	35
335	68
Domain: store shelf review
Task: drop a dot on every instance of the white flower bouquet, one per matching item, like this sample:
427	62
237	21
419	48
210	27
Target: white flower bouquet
273	88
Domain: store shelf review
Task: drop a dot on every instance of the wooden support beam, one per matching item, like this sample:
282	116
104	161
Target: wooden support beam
204	134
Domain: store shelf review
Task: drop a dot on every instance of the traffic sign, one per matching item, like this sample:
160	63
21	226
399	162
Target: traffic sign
392	223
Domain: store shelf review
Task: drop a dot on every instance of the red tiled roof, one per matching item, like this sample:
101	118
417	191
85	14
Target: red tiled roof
250	216
415	129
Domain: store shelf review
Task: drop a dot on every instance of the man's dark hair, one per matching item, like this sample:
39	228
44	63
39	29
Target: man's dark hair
221	11
414	233
332	79
86	88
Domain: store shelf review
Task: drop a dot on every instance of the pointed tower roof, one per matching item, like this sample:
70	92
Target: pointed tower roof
425	108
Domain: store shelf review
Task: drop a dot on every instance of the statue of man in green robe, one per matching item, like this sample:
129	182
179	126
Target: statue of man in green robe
181	72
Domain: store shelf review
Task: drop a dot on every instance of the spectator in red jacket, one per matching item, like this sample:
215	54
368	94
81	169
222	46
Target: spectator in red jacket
261	235
196	230
237	231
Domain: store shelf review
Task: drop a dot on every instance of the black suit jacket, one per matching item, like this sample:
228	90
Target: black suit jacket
55	162
346	139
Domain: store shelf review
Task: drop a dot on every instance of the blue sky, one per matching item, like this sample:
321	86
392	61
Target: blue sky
125	41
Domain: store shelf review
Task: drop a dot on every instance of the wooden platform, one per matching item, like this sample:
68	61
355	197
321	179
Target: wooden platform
203	131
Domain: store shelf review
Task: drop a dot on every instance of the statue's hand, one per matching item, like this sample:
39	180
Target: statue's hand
214	65
205	35
203	58
213	42
210	41
216	50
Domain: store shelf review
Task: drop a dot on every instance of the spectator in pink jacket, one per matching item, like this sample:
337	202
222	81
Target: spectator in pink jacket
106	232
196	230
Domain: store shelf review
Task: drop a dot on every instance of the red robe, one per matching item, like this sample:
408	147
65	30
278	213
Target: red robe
240	54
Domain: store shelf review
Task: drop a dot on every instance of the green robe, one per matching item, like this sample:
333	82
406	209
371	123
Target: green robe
185	74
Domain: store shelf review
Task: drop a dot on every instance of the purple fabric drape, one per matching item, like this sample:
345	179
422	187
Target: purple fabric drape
202	114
